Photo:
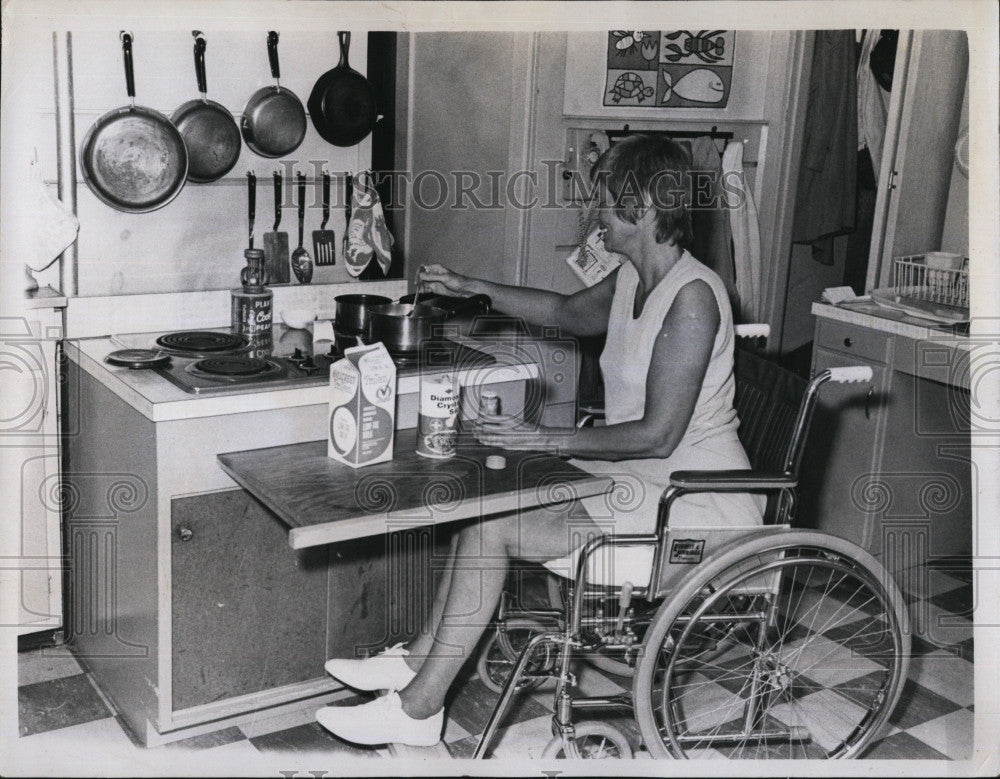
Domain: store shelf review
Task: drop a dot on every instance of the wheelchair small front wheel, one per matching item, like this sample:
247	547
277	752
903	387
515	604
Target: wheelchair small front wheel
502	649
591	741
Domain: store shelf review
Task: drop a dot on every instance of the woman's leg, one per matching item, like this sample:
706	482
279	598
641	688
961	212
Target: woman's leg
479	571
421	646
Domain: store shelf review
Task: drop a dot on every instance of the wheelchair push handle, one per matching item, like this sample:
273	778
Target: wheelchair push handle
851	374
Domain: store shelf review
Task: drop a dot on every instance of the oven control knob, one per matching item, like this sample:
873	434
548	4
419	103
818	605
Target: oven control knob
297	355
308	365
185	533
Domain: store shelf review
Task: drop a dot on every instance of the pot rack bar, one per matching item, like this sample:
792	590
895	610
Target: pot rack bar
62	60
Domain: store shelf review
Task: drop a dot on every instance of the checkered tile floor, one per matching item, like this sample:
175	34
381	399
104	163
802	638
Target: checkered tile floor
58	704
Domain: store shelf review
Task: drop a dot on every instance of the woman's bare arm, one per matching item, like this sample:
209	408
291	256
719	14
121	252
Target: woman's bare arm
676	372
582	313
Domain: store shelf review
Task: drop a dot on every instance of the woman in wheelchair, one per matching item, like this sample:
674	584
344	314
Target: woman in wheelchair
667	369
749	637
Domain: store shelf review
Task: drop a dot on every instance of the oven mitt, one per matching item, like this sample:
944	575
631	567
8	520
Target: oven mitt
367	235
53	225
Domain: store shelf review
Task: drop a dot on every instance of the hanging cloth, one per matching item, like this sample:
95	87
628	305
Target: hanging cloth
873	104
825	200
745	228
712	243
367	236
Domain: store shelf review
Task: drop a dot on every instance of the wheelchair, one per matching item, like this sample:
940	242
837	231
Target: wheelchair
768	642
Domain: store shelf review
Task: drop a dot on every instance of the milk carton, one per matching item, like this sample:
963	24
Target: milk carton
362	406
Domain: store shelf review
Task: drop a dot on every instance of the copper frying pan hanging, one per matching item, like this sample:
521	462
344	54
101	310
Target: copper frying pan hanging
133	158
208	129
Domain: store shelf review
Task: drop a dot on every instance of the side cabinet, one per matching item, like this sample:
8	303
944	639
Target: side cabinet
888	465
845	440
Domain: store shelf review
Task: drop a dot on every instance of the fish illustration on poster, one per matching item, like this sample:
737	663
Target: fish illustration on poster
669	69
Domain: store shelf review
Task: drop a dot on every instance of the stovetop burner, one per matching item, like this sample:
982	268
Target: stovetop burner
236	366
202	342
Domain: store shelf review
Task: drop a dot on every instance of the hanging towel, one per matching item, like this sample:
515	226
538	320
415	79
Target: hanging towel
746	234
873	104
825	200
712	243
50	226
367	237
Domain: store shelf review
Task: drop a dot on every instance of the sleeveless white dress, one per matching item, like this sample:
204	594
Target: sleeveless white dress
709	443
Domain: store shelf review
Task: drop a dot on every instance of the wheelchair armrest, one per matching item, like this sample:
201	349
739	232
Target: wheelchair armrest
731	481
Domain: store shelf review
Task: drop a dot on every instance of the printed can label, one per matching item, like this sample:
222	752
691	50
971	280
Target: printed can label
437	419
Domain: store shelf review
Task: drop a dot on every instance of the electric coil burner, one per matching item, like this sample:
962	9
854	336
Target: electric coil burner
193	342
235	367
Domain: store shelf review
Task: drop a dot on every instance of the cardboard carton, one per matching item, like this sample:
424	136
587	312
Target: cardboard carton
362	406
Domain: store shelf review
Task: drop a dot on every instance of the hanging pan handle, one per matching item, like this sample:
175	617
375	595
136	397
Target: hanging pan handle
277	199
199	60
345	45
326	200
127	55
272	54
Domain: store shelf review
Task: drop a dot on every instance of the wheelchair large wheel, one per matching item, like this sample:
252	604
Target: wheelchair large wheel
795	645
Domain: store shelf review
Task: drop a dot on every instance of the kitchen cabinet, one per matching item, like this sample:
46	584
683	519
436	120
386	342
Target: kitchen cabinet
887	464
184	599
29	445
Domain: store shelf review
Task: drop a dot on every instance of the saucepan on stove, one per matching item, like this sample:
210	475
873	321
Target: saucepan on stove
402	326
352	312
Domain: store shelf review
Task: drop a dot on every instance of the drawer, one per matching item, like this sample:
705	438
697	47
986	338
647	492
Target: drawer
851	339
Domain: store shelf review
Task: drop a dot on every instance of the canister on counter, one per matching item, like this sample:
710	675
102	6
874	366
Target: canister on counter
252	314
437	418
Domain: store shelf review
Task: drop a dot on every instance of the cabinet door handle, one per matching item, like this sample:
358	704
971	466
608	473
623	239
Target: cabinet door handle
848	342
868	402
185	533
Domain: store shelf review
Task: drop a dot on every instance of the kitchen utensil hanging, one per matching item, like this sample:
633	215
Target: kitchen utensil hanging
324	241
302	264
133	158
275	243
251	204
208	129
342	104
274	121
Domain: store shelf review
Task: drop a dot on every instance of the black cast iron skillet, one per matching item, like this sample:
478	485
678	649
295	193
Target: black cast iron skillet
208	129
342	103
274	121
132	158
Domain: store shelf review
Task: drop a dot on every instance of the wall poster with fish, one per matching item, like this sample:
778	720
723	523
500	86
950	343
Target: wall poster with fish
669	69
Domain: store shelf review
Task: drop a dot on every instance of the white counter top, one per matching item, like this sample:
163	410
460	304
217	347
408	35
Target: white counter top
159	400
873	316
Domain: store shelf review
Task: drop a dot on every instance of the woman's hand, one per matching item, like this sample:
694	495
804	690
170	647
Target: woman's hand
514	438
439	280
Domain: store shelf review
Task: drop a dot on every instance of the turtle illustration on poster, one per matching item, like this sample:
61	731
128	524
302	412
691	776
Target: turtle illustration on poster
683	68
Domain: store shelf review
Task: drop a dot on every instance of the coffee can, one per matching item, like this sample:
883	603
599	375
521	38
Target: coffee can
437	417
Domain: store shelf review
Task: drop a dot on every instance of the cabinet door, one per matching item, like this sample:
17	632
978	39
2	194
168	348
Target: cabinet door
926	468
839	486
249	613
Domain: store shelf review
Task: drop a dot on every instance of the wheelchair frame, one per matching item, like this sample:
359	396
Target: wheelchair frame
768	551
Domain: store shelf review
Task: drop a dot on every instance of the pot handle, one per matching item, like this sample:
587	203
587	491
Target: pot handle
127	56
277	199
477	304
272	54
345	45
199	61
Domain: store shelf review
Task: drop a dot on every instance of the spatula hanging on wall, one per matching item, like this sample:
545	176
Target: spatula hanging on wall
275	243
324	241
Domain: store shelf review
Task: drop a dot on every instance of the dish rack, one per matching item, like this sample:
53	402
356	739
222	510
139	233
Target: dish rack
917	282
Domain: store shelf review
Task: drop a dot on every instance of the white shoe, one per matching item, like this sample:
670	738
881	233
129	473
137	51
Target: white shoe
382	721
385	671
